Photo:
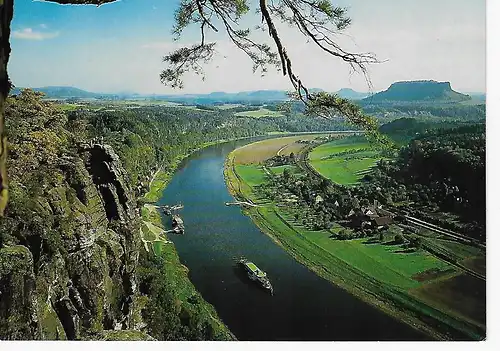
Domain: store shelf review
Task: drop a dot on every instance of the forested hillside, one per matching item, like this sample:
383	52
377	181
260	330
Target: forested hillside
441	172
149	137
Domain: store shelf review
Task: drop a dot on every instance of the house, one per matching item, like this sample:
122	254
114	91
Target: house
370	216
382	222
370	211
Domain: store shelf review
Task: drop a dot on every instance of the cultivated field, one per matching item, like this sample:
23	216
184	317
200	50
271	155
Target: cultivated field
262	112
344	161
462	295
262	150
228	106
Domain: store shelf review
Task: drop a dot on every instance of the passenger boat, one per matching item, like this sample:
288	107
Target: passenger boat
256	274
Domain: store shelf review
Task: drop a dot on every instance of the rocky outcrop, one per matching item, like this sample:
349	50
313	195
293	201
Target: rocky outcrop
74	275
18	317
109	177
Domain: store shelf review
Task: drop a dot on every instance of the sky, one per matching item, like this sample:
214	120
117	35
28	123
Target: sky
119	47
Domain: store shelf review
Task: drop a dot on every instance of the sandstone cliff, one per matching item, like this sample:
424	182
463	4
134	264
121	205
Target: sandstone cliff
85	283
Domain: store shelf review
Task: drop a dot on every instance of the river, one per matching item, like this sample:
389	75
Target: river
304	306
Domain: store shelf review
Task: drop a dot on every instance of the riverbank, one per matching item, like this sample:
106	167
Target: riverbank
333	265
174	275
157	246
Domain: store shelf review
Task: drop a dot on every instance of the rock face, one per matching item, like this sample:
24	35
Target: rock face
75	276
418	91
18	318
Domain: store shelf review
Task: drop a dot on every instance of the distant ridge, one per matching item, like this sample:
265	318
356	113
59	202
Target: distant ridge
418	91
255	96
348	93
428	91
62	92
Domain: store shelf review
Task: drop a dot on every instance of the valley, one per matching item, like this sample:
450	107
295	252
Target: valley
299	173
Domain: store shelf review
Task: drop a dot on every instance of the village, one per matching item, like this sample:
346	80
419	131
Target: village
320	204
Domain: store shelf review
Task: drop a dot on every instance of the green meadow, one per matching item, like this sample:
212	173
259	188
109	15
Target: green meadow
344	161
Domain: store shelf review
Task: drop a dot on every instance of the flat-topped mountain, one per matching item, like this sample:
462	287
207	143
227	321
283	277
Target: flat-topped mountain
418	91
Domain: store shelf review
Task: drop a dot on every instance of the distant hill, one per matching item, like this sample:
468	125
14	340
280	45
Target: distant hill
63	92
418	91
348	93
214	98
400	92
243	97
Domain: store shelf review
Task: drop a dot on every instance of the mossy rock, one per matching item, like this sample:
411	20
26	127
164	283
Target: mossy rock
15	259
121	335
18	319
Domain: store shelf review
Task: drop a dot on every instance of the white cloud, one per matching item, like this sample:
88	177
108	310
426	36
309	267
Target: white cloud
43	25
30	34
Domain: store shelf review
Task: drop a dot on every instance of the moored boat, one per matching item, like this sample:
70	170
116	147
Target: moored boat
177	224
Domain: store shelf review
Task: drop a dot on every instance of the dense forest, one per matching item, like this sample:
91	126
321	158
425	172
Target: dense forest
442	171
451	112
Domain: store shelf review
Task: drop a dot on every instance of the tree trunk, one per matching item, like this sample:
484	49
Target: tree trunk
6	12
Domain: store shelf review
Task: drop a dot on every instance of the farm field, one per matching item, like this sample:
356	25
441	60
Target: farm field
228	106
344	161
461	294
252	175
262	112
262	150
413	285
386	262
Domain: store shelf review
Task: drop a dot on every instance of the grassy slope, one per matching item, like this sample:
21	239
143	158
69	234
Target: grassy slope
374	272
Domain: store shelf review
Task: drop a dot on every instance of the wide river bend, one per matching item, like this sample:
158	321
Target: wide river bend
304	306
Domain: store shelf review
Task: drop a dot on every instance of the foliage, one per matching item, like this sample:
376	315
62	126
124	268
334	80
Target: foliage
37	142
318	20
440	171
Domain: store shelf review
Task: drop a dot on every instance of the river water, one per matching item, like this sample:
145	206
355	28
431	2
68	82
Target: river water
304	306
